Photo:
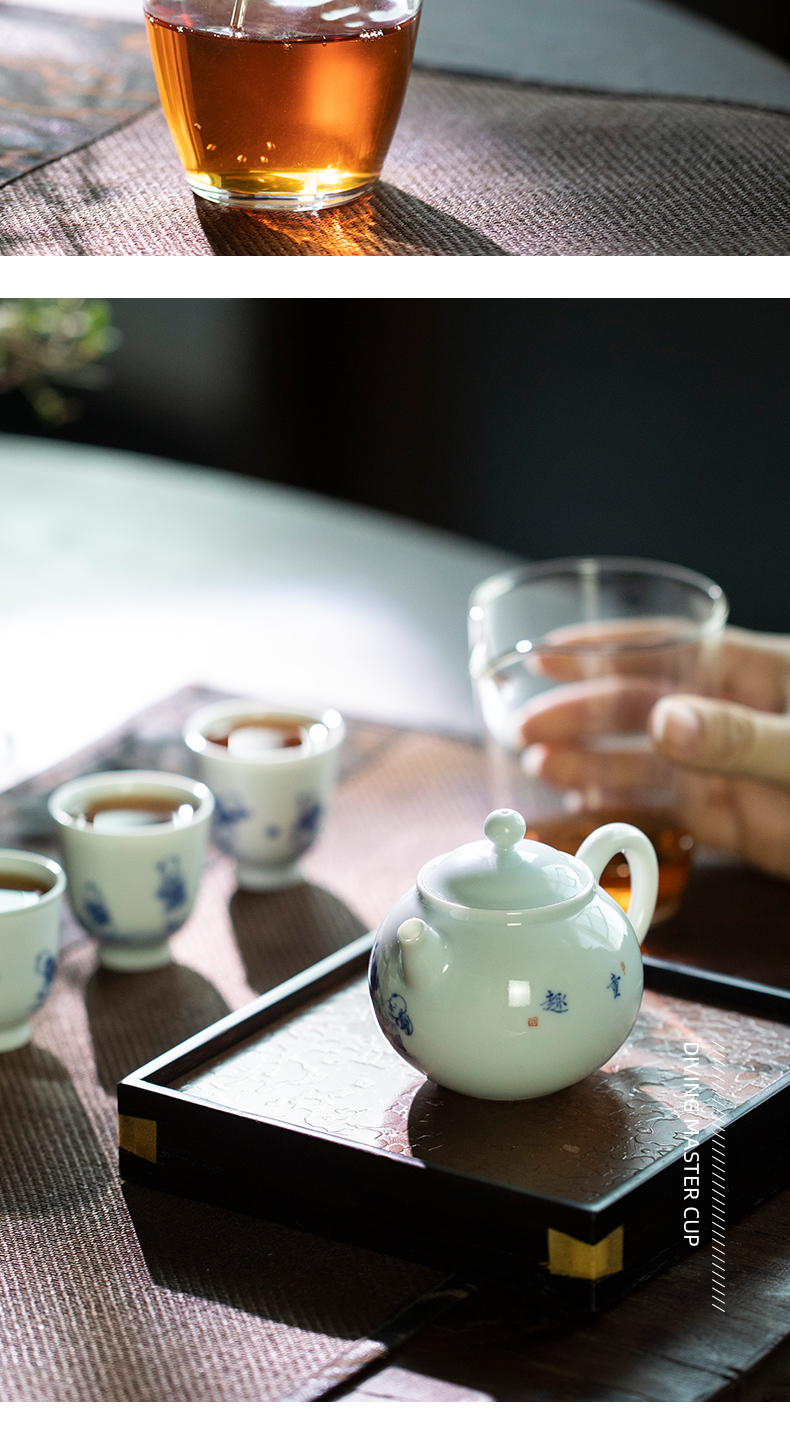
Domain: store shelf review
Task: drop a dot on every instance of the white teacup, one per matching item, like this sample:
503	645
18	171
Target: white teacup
29	923
132	877
271	799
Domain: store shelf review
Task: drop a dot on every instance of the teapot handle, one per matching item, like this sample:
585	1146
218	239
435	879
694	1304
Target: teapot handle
602	845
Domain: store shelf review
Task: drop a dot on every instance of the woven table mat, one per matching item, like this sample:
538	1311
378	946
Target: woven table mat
128	1295
477	167
64	80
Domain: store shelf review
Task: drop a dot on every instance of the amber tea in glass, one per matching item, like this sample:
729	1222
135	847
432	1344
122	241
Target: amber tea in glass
672	841
280	106
568	659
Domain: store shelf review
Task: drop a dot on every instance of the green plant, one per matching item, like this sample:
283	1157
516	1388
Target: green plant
49	344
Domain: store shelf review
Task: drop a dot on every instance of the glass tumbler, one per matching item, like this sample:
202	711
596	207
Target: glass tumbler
284	105
567	660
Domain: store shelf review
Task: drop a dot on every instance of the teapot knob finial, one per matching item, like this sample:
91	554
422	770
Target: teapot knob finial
505	828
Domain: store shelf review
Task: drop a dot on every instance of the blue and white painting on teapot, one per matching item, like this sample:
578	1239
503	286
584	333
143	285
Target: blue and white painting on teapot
508	972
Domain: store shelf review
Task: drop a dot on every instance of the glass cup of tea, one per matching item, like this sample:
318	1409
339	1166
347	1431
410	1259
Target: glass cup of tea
567	660
282	105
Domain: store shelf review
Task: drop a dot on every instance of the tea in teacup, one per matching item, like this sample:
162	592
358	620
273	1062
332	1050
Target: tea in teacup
243	736
116	814
21	890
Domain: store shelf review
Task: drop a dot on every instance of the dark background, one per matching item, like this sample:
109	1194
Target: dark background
648	428
765	21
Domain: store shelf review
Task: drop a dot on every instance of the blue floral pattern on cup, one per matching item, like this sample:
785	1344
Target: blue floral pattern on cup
44	966
94	905
308	818
172	889
229	809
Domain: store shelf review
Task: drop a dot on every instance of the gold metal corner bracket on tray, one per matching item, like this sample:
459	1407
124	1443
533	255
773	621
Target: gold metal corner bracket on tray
577	1260
137	1136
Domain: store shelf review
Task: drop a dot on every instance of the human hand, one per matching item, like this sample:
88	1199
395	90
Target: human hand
732	752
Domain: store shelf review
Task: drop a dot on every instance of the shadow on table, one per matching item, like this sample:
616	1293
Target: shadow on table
387	223
51	1159
267	1269
134	1017
279	934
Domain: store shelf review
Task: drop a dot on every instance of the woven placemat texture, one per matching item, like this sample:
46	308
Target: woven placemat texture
64	80
477	167
128	1295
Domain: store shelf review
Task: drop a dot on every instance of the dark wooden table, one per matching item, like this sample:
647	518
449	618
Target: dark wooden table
664	1341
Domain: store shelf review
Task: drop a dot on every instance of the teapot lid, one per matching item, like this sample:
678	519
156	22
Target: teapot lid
507	871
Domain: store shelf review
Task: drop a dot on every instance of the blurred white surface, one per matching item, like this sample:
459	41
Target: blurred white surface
641	46
123	577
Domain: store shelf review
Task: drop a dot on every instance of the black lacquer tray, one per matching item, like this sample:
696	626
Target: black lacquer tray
296	1108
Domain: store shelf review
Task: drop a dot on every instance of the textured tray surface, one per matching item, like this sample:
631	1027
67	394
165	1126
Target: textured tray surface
329	1069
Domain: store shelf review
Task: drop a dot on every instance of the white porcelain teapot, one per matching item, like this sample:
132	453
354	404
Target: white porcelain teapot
508	972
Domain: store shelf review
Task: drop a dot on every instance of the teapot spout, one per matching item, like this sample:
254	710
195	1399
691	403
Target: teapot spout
422	958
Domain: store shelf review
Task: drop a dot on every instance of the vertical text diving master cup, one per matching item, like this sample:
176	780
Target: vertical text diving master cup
270	803
132	888
28	944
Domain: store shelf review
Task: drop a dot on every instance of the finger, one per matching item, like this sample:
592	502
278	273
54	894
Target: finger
570	768
752	668
705	805
763	825
755	669
723	737
641	645
750	820
605	705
